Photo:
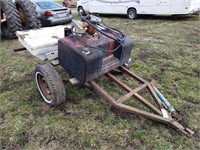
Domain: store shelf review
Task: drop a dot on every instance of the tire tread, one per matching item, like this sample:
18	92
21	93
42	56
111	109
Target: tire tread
54	81
33	21
13	20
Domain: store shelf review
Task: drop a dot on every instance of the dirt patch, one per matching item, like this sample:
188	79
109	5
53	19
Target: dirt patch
100	118
144	56
197	72
1	117
5	87
73	101
192	102
122	114
181	52
64	110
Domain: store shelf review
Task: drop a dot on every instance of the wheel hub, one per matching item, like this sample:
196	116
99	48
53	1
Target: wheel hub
131	15
22	18
44	87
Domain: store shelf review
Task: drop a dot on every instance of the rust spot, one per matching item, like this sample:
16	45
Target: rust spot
56	37
23	36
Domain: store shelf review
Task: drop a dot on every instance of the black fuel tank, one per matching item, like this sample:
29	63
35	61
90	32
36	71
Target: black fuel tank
86	66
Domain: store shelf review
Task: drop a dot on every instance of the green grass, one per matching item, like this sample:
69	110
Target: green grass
166	49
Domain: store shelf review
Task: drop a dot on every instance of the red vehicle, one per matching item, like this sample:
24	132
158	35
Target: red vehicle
69	3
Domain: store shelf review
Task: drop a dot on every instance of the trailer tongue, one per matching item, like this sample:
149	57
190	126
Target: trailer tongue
87	50
158	113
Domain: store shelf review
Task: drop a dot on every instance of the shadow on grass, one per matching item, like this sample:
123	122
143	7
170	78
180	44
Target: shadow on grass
3	38
157	17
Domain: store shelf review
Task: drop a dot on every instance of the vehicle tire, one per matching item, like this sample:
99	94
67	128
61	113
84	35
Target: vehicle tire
28	14
132	13
81	11
50	85
39	22
12	23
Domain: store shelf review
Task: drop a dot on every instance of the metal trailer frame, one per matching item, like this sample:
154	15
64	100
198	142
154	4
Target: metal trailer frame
158	113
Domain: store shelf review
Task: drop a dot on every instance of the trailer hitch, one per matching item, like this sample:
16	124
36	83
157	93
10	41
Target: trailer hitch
160	112
188	132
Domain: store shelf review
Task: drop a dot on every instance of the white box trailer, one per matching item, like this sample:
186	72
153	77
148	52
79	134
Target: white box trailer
132	8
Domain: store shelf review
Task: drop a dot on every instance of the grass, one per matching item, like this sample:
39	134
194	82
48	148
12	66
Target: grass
166	49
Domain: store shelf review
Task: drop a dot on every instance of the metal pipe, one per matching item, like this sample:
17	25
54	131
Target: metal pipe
164	100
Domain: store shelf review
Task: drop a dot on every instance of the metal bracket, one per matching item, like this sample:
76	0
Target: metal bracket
19	49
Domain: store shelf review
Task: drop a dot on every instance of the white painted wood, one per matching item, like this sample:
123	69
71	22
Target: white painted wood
43	42
74	81
165	113
55	62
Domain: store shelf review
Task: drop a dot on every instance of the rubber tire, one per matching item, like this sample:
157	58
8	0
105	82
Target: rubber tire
29	11
13	22
39	22
81	11
132	14
54	82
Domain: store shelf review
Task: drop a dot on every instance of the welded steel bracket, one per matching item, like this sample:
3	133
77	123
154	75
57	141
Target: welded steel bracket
158	112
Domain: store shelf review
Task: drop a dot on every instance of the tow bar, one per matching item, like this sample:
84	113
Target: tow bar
160	113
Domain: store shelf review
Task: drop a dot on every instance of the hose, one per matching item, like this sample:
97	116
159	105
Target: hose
104	33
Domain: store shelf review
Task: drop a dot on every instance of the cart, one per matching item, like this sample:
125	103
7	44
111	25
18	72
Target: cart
58	46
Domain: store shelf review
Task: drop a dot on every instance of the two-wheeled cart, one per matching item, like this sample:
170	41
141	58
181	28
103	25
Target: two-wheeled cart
86	50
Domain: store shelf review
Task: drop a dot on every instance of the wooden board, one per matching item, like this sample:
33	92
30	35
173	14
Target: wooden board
43	42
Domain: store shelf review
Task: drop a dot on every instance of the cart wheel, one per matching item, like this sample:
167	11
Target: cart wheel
132	13
50	85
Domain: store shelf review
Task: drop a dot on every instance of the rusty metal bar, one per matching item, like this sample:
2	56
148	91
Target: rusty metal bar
19	49
147	104
131	93
132	74
127	88
144	113
129	108
139	98
188	132
103	92
169	121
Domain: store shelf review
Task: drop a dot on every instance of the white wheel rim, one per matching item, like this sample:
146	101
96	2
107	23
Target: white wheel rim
81	11
131	14
39	88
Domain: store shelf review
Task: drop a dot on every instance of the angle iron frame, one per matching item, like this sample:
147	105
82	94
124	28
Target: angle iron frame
157	114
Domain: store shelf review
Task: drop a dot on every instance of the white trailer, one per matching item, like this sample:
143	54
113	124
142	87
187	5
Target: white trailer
132	8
